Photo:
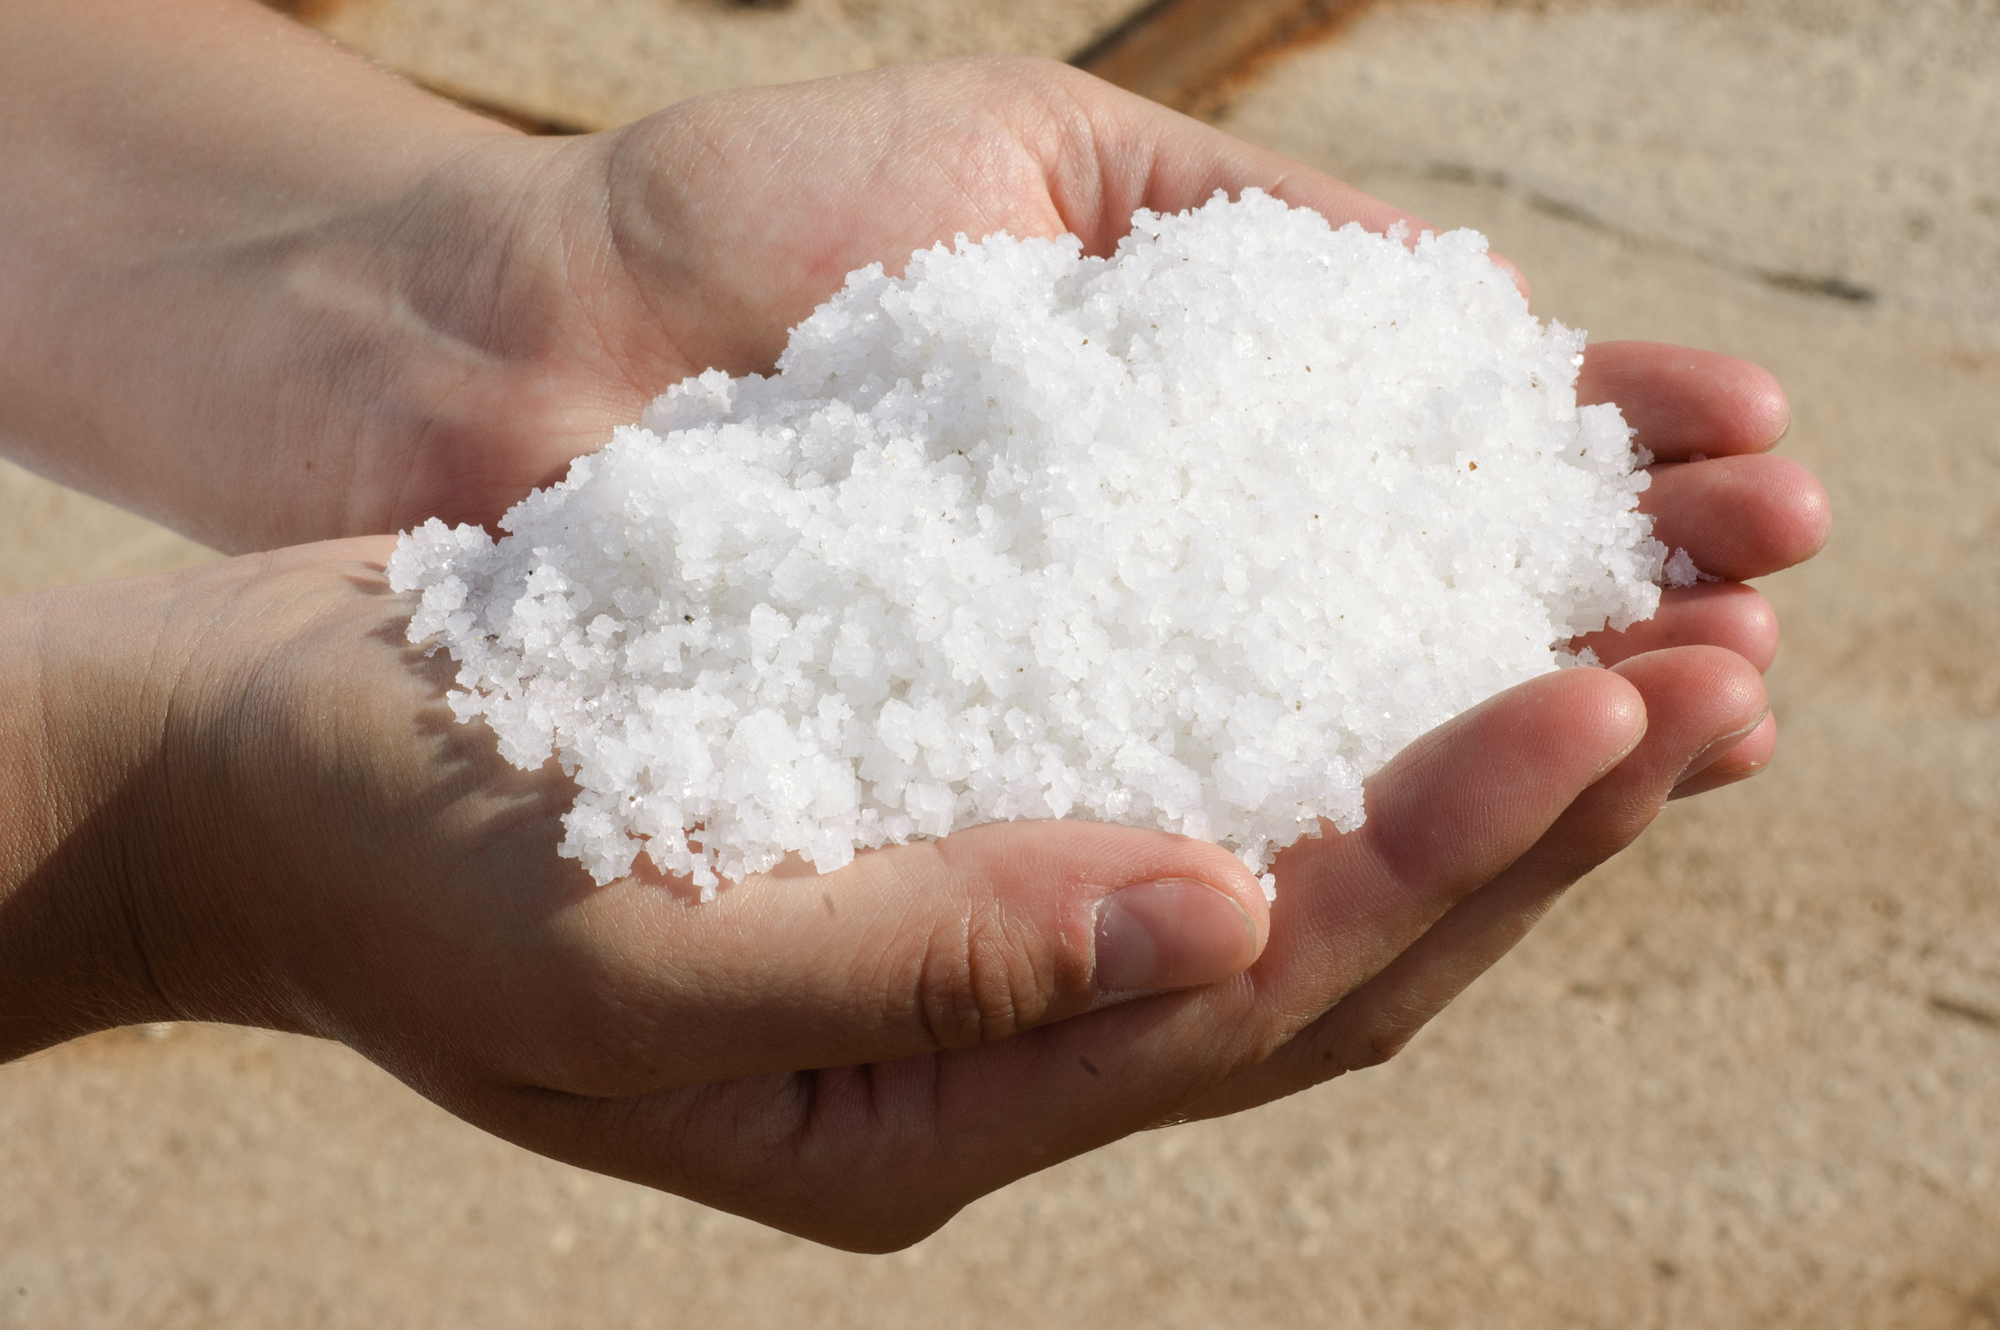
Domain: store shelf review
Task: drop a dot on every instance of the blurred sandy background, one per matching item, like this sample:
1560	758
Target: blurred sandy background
1747	1075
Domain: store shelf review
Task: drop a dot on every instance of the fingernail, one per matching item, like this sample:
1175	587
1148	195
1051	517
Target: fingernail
1721	744
1174	934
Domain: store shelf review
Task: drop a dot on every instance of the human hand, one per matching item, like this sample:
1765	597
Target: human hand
237	794
699	236
274	820
298	299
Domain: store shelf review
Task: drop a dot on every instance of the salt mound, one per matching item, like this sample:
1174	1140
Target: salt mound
1194	537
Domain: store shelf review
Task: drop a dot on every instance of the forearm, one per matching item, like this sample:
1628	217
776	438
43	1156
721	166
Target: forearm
203	200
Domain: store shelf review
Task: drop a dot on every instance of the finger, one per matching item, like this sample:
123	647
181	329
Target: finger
1119	152
1146	156
1445	816
1452	810
1519	278
1681	401
1739	517
1723	614
909	949
1700	702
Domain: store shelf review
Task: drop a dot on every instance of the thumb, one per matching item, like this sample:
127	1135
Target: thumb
917	948
1150	157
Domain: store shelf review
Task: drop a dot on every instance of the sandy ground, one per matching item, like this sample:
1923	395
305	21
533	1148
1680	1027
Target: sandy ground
1747	1075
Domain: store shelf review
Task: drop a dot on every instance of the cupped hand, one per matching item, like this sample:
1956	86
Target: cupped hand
854	1057
576	280
343	857
697	237
440	315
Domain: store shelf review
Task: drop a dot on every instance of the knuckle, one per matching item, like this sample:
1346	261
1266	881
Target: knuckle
1376	1047
878	1230
976	984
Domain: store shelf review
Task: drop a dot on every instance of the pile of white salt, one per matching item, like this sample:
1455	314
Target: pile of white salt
1194	537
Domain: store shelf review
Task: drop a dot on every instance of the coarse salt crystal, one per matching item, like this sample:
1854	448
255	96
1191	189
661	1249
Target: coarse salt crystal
1195	537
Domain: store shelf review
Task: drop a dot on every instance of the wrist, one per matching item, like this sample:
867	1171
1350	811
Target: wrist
205	300
509	353
129	712
72	959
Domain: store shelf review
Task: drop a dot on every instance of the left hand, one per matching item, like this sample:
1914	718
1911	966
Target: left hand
427	315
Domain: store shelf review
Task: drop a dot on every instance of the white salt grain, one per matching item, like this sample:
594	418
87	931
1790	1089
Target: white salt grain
1196	537
1679	570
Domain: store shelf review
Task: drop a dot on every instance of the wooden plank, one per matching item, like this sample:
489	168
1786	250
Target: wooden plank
559	65
1187	53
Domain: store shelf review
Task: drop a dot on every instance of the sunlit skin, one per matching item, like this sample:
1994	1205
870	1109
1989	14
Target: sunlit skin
236	793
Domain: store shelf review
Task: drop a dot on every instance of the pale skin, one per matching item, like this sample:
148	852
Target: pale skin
267	293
